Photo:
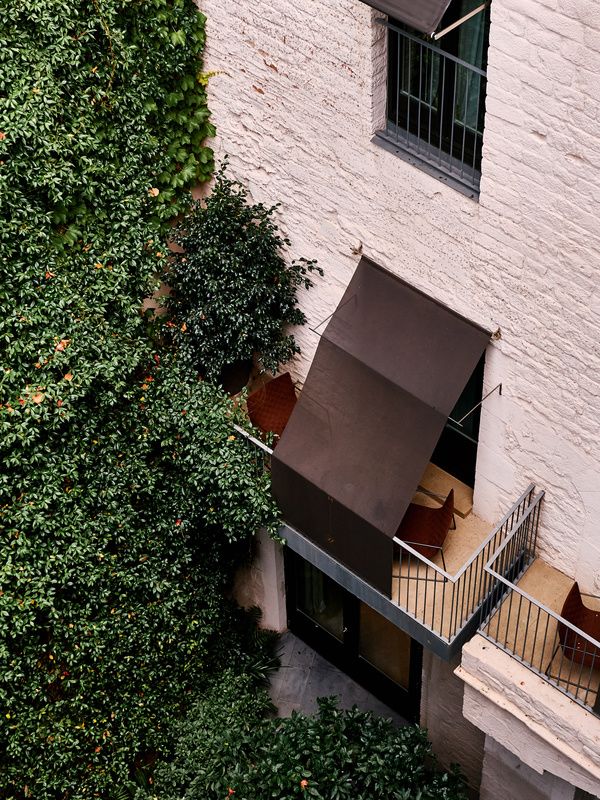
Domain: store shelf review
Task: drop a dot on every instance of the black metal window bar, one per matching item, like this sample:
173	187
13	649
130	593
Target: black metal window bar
435	106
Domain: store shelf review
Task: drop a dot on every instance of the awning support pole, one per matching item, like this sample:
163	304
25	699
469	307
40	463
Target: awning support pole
468	414
323	321
460	21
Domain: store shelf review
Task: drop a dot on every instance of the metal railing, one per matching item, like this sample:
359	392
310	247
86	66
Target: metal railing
262	453
435	106
441	602
445	603
528	630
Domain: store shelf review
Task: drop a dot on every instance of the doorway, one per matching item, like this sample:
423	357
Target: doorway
354	637
456	450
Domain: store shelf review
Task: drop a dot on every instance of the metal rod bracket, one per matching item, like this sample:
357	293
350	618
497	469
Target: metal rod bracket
468	414
460	21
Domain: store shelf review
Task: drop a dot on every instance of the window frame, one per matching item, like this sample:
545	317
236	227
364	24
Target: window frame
423	125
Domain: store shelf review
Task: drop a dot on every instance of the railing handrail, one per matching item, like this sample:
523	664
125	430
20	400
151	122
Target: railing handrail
485	568
452	578
513	586
455	578
512	532
253	439
497	528
423	559
538	604
432	47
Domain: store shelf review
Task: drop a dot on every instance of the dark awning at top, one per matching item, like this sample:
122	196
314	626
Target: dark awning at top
388	371
423	15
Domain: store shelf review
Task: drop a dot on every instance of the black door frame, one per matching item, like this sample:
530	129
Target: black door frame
456	449
345	654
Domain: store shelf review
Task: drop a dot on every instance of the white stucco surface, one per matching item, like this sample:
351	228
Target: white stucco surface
261	583
296	99
527	716
506	777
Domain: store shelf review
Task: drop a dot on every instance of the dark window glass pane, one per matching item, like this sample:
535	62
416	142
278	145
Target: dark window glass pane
384	646
320	599
436	101
456	450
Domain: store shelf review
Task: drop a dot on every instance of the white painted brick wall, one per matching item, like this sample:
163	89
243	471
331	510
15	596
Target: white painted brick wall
455	739
506	777
294	103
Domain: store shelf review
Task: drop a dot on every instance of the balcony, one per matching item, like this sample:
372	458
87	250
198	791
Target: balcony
354	454
523	615
446	594
438	601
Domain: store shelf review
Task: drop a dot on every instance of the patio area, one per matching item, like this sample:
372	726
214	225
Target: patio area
527	625
443	595
305	675
444	590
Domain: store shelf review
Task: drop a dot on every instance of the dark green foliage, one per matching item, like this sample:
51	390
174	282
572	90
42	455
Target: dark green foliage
122	490
230	747
233	293
114	592
101	101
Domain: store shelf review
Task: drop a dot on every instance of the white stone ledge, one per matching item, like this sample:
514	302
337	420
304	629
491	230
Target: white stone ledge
529	717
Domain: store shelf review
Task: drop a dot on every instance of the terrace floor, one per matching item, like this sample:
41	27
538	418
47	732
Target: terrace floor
422	591
533	636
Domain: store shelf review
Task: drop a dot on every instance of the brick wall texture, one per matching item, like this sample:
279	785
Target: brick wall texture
295	101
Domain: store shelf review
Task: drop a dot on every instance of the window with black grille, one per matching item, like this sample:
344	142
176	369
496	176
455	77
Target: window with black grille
436	93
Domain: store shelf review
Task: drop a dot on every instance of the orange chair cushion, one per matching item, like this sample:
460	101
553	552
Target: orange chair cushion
427	526
270	407
576	647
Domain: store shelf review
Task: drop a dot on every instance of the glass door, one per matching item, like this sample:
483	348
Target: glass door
318	607
383	647
354	637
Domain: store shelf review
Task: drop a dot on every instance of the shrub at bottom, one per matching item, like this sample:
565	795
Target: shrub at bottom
230	747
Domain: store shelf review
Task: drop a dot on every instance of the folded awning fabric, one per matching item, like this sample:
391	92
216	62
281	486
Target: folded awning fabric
423	15
388	371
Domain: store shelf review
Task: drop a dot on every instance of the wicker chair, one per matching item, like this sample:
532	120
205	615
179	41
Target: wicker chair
425	529
271	406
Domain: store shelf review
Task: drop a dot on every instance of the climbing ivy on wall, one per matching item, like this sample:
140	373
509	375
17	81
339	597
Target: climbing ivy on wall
122	488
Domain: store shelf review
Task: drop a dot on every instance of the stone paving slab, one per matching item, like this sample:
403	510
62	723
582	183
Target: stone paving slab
305	675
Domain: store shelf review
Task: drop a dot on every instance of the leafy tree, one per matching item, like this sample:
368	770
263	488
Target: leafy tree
230	746
114	580
234	295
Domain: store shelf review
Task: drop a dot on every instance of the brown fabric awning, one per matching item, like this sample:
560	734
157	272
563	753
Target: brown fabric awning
388	371
423	15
